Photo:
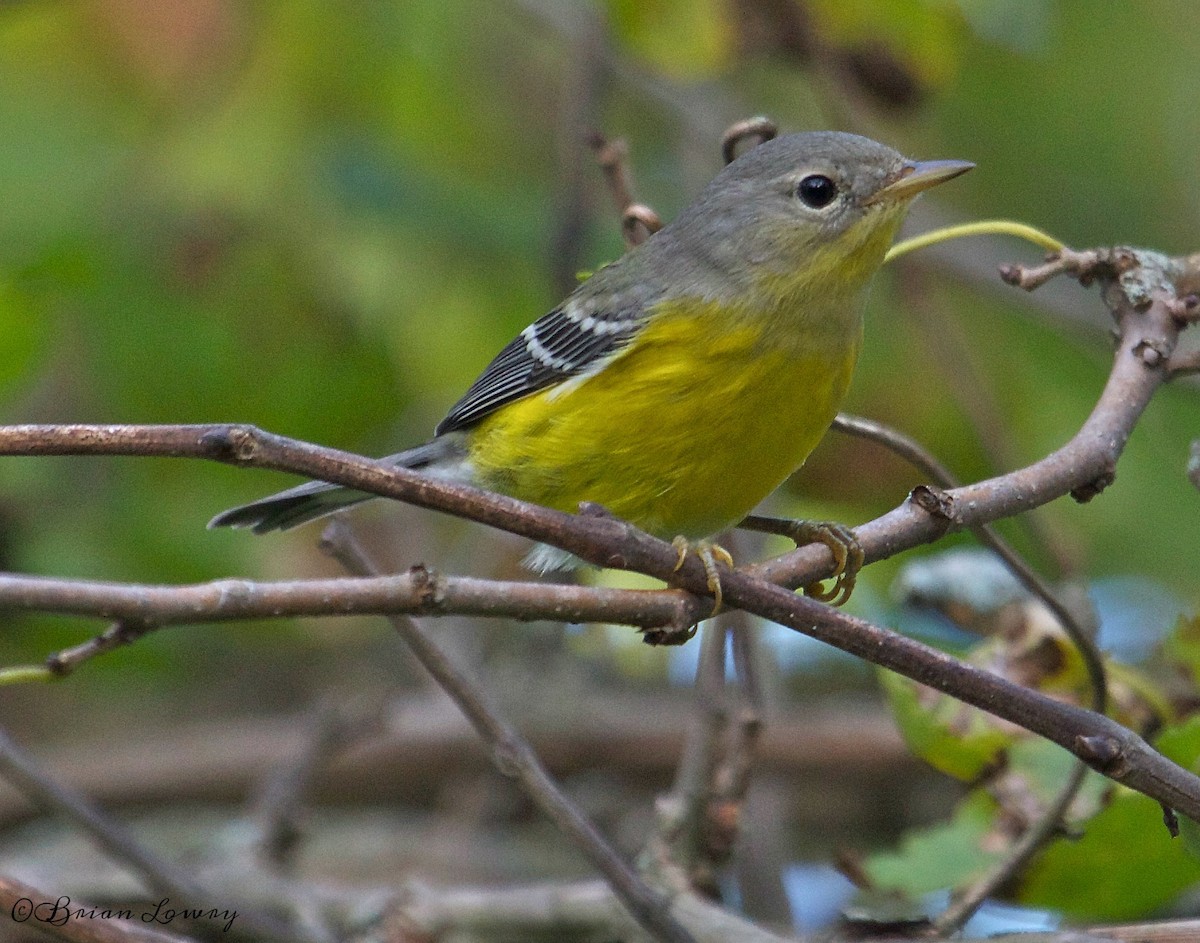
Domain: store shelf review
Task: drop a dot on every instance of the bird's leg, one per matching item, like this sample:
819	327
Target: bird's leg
709	554
847	551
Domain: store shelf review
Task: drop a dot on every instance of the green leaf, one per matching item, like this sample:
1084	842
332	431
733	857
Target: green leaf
945	855
950	736
1124	867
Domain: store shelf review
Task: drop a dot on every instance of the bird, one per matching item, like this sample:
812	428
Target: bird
682	383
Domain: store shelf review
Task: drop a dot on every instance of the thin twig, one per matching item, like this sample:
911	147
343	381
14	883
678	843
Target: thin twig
582	98
733	778
513	756
638	221
278	810
140	609
741	136
1035	836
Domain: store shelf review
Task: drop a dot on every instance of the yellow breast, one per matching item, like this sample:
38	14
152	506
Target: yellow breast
684	432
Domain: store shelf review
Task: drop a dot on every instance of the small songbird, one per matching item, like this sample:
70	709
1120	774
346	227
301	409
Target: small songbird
681	384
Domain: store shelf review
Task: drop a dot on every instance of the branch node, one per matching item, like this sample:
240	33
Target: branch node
1152	352
431	589
937	503
1185	310
676	632
1170	820
231	443
1084	493
595	509
1102	753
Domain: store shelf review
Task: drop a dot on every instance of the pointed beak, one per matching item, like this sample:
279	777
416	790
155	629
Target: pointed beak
917	176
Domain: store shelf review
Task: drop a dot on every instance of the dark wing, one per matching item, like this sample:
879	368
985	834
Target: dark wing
571	340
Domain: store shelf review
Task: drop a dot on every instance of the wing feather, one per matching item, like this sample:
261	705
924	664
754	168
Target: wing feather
568	341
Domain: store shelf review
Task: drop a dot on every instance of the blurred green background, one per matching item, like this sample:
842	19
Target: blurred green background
323	217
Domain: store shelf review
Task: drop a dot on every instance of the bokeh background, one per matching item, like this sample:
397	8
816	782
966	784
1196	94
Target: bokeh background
323	217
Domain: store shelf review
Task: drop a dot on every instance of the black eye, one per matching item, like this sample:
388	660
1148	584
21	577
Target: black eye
816	191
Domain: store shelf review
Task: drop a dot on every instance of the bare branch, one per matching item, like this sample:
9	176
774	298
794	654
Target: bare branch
537	912
638	221
278	811
140	609
1081	468
677	846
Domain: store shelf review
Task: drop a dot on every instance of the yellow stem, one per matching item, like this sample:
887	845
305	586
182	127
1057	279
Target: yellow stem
987	227
21	674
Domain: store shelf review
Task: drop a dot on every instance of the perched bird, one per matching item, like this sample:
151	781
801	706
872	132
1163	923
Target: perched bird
681	384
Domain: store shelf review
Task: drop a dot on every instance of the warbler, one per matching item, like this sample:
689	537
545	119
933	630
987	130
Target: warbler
681	384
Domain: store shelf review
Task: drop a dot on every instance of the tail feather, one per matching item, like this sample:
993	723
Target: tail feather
317	499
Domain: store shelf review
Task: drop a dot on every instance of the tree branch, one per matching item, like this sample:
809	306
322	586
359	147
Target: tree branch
1147	316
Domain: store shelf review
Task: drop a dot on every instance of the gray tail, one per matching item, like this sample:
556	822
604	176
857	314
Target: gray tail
316	499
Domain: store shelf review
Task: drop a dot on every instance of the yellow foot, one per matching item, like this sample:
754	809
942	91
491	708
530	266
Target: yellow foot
847	551
709	554
847	557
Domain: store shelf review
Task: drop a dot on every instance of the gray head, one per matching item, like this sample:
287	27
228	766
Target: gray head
814	206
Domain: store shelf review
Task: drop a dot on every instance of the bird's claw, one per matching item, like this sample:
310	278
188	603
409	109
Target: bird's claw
709	554
847	557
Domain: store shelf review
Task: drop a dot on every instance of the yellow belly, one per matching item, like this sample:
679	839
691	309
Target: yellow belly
683	433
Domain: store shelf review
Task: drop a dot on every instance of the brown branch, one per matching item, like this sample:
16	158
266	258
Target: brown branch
73	920
1082	468
638	221
277	813
539	912
698	820
1185	364
139	608
427	740
513	757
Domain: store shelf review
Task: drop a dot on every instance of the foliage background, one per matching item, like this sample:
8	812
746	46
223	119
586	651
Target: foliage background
324	216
